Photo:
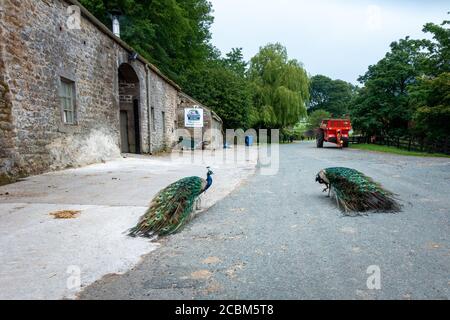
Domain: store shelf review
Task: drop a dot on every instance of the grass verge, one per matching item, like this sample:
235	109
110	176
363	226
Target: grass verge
395	150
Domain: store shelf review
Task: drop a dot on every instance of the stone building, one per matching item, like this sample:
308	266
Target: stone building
72	93
210	136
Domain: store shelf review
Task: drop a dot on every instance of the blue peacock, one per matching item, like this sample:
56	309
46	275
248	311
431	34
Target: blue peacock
172	208
355	192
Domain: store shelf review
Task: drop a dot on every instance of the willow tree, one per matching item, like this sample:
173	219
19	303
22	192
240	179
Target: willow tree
280	88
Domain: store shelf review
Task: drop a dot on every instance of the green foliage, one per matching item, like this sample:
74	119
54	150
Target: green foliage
316	117
439	59
173	34
395	150
406	92
300	128
234	61
221	85
280	88
364	117
432	96
382	106
333	96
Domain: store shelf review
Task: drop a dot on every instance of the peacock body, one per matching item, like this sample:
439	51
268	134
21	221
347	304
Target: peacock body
356	192
172	207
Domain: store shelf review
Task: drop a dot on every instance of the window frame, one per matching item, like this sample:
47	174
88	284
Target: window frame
68	104
164	125
153	116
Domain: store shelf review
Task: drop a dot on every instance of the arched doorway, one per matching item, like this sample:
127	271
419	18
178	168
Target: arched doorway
129	91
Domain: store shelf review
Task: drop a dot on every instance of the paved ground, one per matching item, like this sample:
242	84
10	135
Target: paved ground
41	258
280	237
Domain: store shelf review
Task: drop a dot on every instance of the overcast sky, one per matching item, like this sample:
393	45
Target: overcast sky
337	38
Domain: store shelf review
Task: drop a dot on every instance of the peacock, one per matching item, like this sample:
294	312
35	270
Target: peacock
172	208
355	192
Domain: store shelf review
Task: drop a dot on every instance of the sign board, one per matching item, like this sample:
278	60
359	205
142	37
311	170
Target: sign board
193	117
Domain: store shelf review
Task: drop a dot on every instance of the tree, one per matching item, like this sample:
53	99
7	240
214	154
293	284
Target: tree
430	94
364	117
439	48
383	107
333	96
432	118
316	117
173	34
280	88
235	61
404	93
221	85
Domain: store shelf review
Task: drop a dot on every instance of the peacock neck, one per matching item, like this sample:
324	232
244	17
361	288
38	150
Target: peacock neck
209	182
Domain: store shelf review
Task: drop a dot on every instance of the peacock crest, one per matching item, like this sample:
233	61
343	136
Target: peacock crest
172	208
356	192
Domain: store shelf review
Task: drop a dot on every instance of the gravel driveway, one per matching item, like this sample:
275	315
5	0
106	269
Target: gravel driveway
280	237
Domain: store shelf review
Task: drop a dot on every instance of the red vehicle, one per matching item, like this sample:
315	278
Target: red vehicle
334	131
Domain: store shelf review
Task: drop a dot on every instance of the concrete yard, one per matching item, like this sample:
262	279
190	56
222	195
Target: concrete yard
40	257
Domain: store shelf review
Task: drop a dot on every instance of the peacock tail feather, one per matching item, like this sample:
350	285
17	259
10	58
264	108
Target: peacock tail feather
170	209
355	192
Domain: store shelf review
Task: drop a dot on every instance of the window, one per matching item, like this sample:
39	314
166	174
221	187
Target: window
67	96
163	115
153	120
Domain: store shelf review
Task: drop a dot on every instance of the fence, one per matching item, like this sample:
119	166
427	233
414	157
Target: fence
408	143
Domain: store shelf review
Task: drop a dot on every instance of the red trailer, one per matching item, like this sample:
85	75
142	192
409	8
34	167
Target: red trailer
334	131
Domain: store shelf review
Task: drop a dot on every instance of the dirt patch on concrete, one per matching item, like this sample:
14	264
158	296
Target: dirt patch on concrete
201	275
211	260
65	214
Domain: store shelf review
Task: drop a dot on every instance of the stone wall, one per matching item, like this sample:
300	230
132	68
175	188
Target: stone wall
163	99
38	50
7	133
217	133
8	167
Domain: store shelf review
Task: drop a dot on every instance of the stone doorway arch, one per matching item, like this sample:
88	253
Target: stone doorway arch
130	122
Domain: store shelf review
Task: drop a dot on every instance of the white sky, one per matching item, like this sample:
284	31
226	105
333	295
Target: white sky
337	38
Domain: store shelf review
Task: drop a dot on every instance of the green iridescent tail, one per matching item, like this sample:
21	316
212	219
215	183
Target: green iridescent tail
171	209
355	192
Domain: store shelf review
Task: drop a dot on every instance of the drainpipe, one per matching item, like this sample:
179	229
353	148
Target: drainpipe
149	124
